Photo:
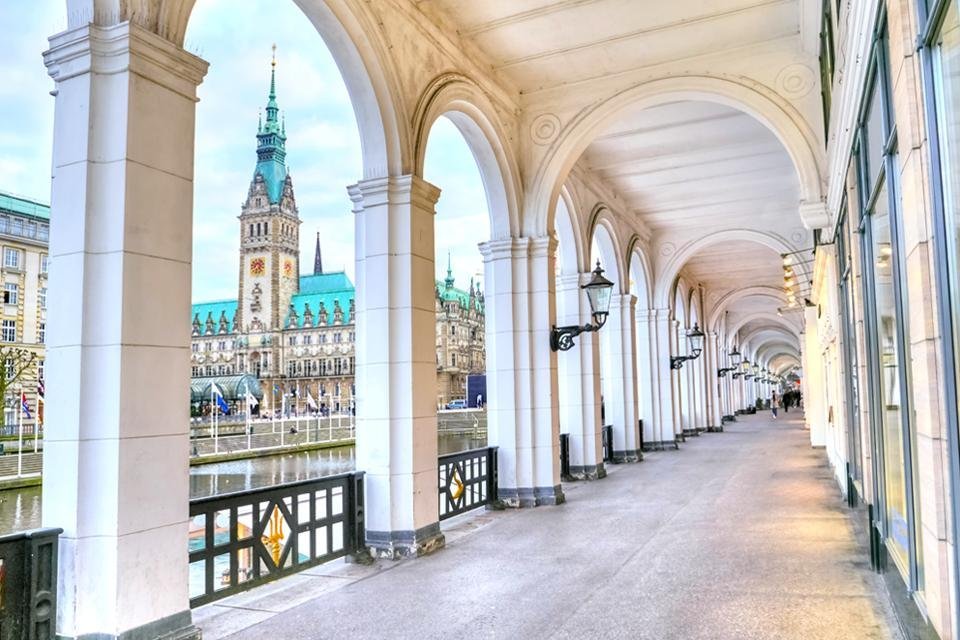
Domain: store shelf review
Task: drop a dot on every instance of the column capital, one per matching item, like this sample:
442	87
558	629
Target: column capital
407	188
120	48
524	246
618	300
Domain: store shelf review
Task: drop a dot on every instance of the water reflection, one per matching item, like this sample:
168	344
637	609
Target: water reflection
20	508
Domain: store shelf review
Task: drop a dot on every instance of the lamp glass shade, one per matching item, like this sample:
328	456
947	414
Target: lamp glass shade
735	357
598	292
695	336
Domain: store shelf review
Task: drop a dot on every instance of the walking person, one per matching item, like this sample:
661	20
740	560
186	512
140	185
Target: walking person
774	404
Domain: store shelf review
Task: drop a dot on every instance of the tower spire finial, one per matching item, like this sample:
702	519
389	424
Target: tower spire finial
449	280
317	262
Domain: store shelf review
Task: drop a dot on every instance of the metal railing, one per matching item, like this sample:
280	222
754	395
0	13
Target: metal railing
468	480
241	540
607	440
28	585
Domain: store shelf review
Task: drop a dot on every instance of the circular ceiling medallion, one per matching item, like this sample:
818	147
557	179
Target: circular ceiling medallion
796	80
667	249
545	128
798	236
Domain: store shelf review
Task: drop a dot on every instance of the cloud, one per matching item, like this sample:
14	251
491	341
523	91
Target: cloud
324	151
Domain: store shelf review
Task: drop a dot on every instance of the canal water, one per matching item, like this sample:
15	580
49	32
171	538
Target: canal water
20	508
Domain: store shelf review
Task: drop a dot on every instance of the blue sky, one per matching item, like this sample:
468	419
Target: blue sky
323	148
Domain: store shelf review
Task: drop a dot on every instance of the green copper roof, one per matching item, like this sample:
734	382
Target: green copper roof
450	293
328	288
202	310
325	283
271	144
23	206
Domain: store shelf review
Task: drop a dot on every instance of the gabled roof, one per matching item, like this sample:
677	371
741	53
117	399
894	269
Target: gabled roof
325	283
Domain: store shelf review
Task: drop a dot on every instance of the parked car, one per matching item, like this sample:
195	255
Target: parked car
457	404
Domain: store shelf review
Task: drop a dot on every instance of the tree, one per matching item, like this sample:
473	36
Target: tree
17	364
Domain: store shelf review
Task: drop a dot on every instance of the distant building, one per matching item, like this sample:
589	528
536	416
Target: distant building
296	332
24	236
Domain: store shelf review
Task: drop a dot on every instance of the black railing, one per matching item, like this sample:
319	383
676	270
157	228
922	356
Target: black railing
565	456
241	540
468	480
607	439
28	585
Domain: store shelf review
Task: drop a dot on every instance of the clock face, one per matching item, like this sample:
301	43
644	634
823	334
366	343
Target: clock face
288	268
257	266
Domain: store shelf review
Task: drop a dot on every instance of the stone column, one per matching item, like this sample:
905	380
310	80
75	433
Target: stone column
663	428
116	474
579	381
646	391
396	363
714	396
621	398
522	414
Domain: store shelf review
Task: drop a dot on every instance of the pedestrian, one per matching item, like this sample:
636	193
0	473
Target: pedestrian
774	402
479	401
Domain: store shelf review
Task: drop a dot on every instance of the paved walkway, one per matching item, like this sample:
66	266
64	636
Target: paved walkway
739	535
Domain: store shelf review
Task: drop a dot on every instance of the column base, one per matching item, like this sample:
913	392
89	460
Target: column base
178	626
523	497
715	429
395	545
690	433
590	472
660	445
630	455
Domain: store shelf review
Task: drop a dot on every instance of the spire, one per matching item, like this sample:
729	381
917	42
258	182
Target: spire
317	262
271	141
449	280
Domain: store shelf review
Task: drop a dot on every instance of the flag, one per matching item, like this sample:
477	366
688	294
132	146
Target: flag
218	397
41	391
24	406
310	401
252	400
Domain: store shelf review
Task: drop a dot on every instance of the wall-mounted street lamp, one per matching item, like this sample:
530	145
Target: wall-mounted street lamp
744	368
695	338
598	293
734	363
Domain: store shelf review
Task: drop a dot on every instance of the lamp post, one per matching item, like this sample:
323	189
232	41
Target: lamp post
695	337
598	293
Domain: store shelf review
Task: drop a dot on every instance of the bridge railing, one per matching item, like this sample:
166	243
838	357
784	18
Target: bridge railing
244	539
468	480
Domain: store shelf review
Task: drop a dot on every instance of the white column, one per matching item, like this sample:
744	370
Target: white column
116	475
522	415
621	398
714	394
662	430
646	391
579	381
396	363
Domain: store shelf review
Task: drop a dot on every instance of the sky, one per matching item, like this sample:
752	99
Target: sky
323	146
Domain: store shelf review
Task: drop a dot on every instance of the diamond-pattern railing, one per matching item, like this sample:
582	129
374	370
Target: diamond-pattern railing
468	480
241	540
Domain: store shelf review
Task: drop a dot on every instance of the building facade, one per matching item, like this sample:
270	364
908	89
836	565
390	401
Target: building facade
24	236
296	332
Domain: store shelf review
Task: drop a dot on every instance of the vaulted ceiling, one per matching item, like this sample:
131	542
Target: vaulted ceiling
681	169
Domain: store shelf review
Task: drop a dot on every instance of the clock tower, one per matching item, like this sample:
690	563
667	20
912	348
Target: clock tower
269	233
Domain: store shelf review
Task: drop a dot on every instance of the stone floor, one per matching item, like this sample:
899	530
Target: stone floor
739	535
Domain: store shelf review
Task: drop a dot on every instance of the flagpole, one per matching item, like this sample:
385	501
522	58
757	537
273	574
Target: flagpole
20	430
248	420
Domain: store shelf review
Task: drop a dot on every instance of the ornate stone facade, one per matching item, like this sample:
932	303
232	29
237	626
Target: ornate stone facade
296	332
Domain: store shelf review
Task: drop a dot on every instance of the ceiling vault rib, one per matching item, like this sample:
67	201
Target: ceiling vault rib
523	16
630	35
